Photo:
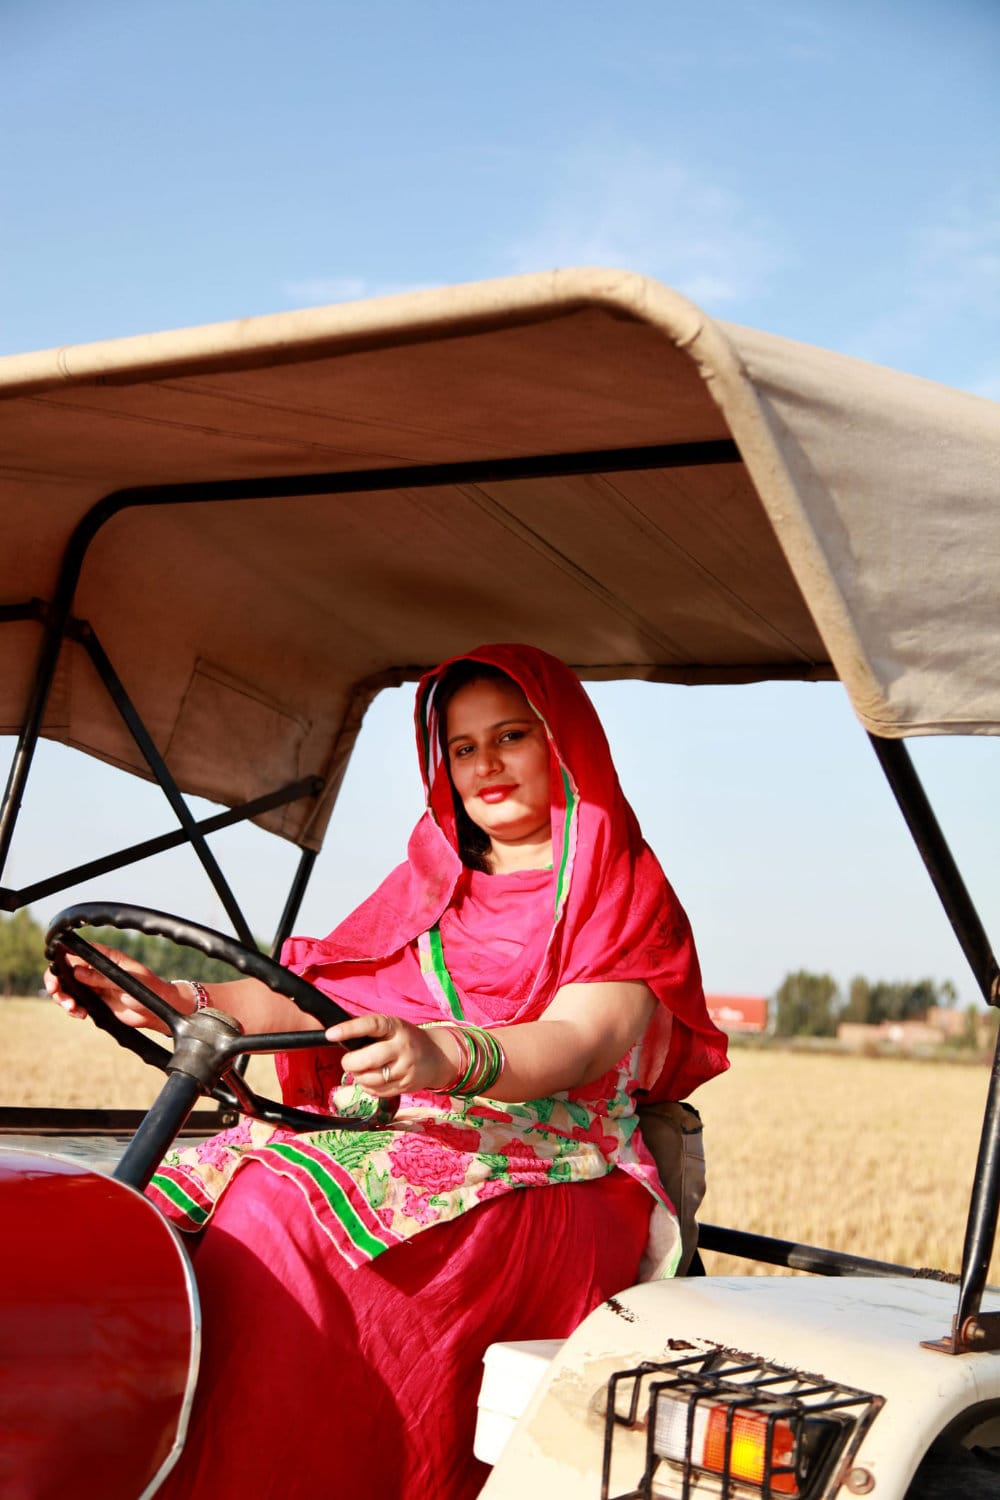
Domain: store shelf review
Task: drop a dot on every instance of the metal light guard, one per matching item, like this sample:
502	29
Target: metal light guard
742	1381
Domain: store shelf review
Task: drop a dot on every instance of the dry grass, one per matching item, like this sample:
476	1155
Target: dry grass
869	1155
45	1058
874	1156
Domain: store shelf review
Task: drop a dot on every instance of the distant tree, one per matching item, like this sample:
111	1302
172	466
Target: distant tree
895	1000
858	1007
886	1002
165	958
907	1000
970	1027
22	954
807	1005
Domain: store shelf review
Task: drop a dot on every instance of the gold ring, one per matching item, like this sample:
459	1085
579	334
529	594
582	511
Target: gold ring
386	1073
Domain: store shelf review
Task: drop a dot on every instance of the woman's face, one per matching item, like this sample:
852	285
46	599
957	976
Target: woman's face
498	754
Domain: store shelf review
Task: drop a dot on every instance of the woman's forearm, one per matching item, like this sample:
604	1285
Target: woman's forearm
257	1008
586	1029
543	1058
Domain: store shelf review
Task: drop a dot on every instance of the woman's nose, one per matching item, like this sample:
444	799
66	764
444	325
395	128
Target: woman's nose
487	759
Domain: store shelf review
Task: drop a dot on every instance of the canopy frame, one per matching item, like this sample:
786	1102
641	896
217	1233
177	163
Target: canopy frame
59	624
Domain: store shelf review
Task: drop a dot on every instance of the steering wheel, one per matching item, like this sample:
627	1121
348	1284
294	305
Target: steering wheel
211	1040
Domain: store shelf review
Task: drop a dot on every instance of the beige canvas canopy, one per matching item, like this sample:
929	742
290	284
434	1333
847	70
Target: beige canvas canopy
581	459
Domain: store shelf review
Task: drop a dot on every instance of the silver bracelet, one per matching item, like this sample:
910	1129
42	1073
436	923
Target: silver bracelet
201	995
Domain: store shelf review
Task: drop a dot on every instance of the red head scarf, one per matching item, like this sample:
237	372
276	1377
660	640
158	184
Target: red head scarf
613	916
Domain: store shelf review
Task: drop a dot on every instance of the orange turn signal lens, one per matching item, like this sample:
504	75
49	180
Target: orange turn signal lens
747	1443
720	1438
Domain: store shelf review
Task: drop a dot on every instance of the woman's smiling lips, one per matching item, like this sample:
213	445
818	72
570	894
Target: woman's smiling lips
495	793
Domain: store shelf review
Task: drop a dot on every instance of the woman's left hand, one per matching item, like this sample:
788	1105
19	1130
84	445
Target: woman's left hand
401	1059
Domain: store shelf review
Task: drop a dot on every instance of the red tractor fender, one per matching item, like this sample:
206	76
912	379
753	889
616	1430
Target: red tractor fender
99	1334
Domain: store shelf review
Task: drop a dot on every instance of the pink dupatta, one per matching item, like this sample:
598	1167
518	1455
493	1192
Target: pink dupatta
607	912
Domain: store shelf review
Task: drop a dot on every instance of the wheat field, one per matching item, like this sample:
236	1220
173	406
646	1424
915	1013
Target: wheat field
48	1059
874	1156
871	1155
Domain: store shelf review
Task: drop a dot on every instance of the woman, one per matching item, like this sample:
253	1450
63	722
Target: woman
520	981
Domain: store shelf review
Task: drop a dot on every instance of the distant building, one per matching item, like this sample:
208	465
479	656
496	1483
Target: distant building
950	1023
940	1025
733	1013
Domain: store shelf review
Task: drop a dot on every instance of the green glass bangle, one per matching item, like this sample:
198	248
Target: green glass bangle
483	1057
492	1060
466	1065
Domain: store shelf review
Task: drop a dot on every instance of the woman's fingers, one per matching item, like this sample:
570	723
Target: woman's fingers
123	1005
374	1026
386	1065
383	1081
65	1002
54	989
401	1058
379	1068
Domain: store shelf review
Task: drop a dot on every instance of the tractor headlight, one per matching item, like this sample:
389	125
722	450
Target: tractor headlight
725	1424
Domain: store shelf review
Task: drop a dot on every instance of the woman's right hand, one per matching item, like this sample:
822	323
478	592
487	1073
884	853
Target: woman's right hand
127	1009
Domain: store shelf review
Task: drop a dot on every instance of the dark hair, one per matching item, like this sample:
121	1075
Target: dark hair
473	841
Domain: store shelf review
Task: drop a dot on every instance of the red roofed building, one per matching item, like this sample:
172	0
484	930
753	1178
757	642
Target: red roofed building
738	1012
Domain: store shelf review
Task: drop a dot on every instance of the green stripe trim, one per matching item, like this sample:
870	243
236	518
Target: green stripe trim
179	1198
443	977
334	1194
425	737
567	841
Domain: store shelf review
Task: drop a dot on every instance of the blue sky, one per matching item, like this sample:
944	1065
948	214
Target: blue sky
826	169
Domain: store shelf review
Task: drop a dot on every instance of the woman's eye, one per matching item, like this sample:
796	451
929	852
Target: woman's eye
460	751
511	735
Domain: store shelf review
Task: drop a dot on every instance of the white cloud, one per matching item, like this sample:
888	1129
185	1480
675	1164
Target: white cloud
313	291
616	206
629	208
317	289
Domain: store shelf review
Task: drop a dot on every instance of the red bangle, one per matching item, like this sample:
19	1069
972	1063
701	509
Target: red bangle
201	995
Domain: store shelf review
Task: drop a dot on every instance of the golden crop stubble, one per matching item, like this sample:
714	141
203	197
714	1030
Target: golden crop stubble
875	1156
48	1059
871	1155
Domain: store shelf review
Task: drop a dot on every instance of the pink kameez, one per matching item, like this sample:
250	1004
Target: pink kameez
379	1264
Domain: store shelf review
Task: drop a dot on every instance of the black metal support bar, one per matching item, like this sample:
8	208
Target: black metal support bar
773	1252
56	618
426	476
984	1204
34	1119
41	686
296	891
10	900
33	609
365	481
166	782
952	891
